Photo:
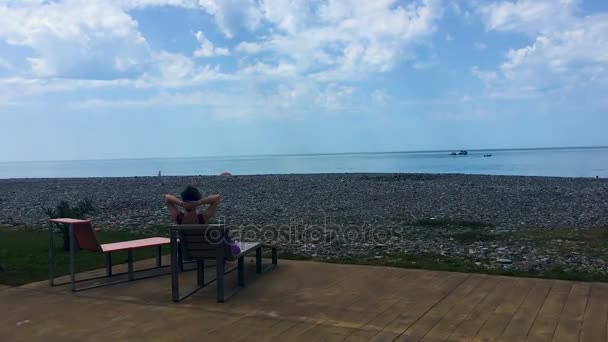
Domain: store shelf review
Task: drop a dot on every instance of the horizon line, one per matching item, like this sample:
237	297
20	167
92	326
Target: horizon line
313	154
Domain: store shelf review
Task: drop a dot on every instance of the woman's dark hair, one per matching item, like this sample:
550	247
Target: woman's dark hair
191	194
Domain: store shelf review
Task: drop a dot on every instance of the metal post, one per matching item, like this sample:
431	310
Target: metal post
200	271
159	254
130	263
241	271
274	255
1	268
174	267
51	254
109	264
258	260
219	276
72	261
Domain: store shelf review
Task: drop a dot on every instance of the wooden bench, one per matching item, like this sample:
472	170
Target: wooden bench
211	241
82	236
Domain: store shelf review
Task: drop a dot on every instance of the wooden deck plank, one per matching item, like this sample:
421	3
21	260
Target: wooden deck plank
273	332
498	321
468	328
427	321
569	326
543	328
444	328
421	302
402	302
325	333
596	315
522	321
307	301
294	332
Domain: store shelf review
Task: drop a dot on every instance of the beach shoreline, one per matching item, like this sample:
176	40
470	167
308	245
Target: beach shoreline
474	217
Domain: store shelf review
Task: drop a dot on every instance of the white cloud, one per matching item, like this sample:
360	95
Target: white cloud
379	96
479	46
284	100
140	4
4	64
75	38
166	70
233	15
568	52
339	40
302	51
530	16
281	70
328	40
194	98
249	48
207	49
484	75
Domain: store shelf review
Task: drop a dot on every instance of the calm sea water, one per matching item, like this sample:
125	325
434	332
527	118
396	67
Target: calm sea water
574	162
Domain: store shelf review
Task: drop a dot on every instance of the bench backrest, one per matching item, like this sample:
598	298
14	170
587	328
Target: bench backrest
85	237
204	240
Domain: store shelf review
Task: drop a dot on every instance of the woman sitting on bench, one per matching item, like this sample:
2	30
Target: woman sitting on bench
191	199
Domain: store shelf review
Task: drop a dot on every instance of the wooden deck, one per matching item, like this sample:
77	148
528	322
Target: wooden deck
310	301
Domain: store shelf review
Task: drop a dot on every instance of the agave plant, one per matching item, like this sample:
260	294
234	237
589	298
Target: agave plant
82	209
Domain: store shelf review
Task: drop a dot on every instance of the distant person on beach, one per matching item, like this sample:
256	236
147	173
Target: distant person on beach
191	199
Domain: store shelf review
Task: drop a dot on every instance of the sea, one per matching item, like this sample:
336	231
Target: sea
559	162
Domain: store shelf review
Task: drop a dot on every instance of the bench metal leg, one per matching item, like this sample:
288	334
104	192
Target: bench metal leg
51	255
72	257
180	257
219	278
258	260
241	271
274	255
109	264
200	271
1	268
159	253
174	267
130	263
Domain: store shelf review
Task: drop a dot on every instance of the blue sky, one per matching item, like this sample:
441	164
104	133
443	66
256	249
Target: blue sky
104	79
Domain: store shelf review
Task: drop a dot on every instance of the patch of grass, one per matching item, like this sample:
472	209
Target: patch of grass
447	222
461	230
546	234
418	261
24	254
292	256
469	236
444	263
591	241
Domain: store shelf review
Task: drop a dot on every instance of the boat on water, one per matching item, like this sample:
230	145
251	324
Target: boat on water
461	153
487	155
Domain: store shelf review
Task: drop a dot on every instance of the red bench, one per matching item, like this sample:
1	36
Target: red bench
82	236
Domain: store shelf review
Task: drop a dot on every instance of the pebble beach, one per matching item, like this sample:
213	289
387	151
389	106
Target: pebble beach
479	219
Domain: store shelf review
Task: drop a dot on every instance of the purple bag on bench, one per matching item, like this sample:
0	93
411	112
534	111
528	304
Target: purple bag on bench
234	247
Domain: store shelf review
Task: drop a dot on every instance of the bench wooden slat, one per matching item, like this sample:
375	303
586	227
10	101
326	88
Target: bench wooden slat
200	247
202	254
248	246
134	244
196	239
